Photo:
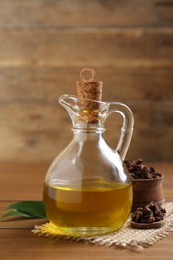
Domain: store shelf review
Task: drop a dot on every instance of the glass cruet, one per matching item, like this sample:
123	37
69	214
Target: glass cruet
87	188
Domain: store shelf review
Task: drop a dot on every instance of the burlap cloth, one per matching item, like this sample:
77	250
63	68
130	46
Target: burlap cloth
126	237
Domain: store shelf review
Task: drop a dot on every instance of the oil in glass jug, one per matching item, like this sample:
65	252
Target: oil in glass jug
87	188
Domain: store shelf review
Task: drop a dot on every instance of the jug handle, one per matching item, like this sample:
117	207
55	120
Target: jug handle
126	129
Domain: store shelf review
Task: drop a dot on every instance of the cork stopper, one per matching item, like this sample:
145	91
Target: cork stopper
88	90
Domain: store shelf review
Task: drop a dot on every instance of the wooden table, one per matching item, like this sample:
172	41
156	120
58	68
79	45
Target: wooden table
24	181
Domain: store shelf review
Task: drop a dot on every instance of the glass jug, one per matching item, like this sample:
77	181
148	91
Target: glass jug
87	188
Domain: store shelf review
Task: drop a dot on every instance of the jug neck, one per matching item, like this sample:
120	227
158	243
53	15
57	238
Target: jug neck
88	134
88	128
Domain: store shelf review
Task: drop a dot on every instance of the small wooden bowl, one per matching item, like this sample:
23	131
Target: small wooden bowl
158	224
147	190
169	210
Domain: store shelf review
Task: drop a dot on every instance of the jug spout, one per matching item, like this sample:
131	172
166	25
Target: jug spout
85	113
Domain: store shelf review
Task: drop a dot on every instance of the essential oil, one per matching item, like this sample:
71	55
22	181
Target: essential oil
96	207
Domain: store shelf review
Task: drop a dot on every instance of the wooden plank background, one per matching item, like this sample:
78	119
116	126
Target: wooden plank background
43	46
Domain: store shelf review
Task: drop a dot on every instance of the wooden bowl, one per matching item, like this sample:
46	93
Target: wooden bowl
147	190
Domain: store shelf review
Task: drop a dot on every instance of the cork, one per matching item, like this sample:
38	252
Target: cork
88	90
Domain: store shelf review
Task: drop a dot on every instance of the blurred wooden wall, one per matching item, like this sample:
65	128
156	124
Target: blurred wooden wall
43	46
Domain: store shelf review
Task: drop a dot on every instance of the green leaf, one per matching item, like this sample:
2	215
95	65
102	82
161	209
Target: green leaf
14	213
32	208
28	209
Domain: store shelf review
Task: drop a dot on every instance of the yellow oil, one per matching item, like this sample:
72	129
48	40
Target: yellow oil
89	210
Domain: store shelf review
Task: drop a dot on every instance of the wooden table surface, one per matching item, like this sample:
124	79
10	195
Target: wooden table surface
24	181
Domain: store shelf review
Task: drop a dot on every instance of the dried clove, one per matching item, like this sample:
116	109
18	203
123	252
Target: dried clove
148	214
138	170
